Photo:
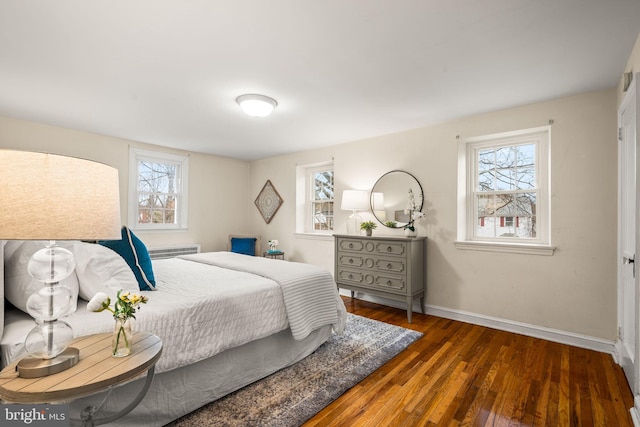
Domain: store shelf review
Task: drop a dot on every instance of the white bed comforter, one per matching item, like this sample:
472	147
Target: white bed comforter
200	310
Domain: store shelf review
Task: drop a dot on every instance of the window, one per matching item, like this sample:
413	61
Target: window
322	199
315	198
157	190
504	192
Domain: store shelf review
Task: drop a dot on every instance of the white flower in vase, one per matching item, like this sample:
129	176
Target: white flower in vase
413	212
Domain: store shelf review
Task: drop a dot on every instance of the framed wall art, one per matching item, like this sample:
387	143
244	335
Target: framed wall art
268	201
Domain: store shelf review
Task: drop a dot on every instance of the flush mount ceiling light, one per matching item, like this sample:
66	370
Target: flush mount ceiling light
256	105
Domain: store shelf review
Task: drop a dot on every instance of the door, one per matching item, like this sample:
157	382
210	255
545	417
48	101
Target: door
628	293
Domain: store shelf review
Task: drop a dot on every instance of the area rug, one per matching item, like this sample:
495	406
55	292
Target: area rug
293	395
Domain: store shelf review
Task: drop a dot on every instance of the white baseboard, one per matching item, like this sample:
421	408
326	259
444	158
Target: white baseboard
635	411
549	334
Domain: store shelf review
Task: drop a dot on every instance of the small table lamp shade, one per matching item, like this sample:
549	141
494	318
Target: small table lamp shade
52	197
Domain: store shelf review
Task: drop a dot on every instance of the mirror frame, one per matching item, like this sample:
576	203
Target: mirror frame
379	179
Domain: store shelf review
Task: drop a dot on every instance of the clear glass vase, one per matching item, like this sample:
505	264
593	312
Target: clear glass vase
122	341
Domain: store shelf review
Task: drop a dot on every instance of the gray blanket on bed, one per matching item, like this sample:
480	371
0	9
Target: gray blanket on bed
310	293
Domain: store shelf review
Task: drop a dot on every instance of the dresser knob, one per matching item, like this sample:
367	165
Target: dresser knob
389	266
351	276
388	248
350	245
350	260
388	282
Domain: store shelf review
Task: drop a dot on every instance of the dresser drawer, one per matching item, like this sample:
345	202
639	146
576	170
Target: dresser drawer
355	245
356	277
350	245
390	248
398	283
391	265
355	260
372	247
372	280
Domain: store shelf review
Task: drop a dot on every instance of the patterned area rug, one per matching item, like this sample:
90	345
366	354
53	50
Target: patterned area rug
293	395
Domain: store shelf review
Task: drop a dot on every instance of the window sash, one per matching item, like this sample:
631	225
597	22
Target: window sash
516	223
322	217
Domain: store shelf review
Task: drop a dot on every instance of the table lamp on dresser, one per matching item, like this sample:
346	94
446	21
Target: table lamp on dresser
52	197
354	201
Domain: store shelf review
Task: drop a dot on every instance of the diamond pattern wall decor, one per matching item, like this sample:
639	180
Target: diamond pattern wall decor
268	201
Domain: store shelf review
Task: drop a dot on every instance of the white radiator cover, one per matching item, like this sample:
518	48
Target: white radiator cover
162	252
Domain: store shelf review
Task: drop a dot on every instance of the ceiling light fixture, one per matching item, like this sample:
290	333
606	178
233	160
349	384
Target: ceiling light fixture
256	105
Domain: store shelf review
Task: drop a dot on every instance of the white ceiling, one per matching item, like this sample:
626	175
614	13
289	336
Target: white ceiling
167	72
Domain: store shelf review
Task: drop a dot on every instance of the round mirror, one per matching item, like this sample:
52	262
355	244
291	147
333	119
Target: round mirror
390	198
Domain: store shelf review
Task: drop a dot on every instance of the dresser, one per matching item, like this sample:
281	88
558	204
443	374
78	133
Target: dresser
388	267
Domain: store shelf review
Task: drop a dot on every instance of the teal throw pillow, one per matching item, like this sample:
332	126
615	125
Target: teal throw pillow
244	245
135	253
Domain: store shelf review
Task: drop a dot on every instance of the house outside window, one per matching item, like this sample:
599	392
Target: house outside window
315	198
157	190
504	192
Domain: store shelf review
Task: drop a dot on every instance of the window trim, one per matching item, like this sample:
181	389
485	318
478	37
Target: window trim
541	245
304	183
182	214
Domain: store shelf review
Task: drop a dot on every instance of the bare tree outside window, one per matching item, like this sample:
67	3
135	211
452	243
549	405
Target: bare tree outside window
157	195
322	200
506	192
158	190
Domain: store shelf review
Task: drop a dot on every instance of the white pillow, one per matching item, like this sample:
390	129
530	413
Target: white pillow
99	269
18	285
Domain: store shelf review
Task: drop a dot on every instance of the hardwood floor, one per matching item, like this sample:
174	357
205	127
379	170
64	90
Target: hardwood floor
462	374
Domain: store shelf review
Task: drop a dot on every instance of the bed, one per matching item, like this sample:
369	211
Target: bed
226	320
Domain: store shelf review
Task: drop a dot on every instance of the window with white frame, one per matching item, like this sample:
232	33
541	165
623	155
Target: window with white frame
157	190
504	192
315	198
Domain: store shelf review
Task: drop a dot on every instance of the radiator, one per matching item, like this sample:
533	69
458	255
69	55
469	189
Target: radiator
173	251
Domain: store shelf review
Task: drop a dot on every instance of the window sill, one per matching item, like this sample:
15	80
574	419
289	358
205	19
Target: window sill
515	248
314	236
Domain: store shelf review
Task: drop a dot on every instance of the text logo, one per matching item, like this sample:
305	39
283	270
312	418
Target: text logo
35	415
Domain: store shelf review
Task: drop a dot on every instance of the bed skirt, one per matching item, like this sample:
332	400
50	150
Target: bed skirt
180	391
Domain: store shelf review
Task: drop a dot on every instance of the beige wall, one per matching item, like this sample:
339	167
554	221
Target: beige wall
574	290
218	186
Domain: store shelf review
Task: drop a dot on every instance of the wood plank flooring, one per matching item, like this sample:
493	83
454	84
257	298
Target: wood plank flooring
459	374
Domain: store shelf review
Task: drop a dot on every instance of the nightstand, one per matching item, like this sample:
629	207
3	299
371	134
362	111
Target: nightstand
274	255
96	371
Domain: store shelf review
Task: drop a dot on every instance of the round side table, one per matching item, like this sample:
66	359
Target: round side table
96	371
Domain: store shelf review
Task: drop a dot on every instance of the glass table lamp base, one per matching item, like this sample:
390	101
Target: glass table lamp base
353	223
32	367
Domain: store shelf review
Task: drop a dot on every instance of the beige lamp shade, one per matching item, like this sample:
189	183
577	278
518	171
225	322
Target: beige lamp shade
356	200
53	197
